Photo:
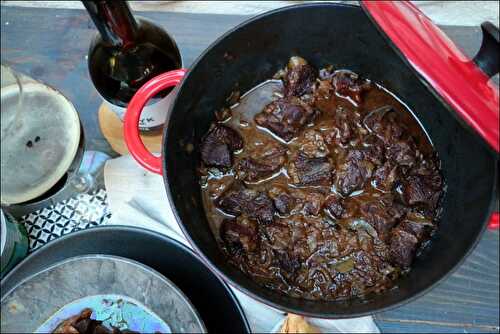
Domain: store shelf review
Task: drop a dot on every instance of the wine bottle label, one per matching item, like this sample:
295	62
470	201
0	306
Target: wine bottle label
153	115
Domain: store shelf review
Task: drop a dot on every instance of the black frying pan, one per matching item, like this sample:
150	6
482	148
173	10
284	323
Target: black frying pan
345	37
210	296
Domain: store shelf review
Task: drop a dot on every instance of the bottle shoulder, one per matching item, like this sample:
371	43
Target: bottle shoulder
153	33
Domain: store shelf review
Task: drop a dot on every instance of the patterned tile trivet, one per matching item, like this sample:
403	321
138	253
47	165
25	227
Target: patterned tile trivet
80	212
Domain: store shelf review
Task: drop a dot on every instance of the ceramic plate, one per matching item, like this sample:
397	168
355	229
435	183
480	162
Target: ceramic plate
121	292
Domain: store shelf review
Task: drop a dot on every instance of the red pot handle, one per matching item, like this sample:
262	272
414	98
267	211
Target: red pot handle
133	113
494	221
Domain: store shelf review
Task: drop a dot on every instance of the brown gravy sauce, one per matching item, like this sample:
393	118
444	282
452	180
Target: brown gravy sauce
331	270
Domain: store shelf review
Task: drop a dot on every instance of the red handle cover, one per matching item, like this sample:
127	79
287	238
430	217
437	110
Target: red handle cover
494	221
133	113
455	77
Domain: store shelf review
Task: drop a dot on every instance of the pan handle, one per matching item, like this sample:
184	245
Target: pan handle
131	121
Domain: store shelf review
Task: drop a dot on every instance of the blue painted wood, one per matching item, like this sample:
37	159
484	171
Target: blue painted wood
468	298
412	327
51	45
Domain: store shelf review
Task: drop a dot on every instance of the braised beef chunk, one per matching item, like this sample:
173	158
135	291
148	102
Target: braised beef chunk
283	201
239	234
287	263
68	325
300	77
395	209
279	235
348	84
349	178
86	326
334	191
402	152
383	123
385	176
216	154
252	170
417	224
379	215
263	162
423	187
308	236
419	190
313	202
345	127
285	117
234	200
374	150
238	200
83	324
218	146
402	247
307	202
353	172
428	168
334	206
261	208
306	171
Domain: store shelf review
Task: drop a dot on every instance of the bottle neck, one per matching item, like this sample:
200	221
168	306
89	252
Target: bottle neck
114	20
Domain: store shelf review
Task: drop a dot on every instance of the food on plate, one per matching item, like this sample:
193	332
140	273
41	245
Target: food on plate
83	324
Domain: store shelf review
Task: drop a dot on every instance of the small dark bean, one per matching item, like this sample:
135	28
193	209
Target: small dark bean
37	139
29	144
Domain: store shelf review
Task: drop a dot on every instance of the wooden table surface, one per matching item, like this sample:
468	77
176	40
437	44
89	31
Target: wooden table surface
51	45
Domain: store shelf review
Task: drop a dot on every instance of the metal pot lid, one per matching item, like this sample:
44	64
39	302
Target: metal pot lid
463	84
39	138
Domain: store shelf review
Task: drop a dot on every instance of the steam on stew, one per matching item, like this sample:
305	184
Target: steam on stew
320	185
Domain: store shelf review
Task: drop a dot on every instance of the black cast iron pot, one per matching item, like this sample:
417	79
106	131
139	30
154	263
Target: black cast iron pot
345	37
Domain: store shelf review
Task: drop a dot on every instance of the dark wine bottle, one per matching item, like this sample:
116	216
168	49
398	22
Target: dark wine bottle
125	54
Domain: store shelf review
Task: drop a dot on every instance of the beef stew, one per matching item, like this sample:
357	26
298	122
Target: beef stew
327	192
